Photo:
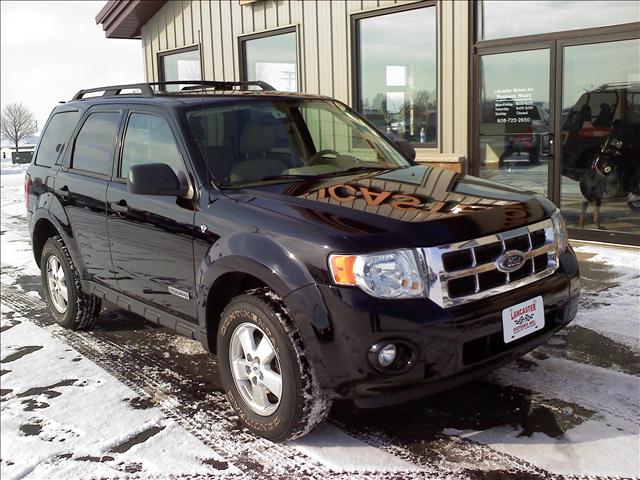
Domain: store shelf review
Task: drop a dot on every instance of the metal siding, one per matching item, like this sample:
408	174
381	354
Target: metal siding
324	44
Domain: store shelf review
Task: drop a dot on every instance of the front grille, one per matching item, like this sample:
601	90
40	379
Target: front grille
466	271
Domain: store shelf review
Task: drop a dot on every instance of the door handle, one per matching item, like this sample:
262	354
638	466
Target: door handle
120	207
64	192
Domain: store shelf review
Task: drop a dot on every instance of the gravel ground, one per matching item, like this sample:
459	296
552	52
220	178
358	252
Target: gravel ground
132	400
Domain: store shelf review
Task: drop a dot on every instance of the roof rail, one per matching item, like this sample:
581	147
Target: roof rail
146	89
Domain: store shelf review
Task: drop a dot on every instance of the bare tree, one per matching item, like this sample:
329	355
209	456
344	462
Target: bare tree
17	123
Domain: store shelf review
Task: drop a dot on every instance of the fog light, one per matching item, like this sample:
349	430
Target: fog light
387	355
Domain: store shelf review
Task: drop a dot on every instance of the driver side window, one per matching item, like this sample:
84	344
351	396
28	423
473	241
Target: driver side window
149	139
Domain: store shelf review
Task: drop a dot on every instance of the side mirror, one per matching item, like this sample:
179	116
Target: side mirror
406	148
154	179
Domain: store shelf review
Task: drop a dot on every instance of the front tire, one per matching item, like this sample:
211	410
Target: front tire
69	305
266	375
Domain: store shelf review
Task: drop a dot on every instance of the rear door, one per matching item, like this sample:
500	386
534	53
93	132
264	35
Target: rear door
81	187
151	237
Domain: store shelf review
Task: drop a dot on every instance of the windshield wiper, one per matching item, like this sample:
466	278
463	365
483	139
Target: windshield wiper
359	168
268	178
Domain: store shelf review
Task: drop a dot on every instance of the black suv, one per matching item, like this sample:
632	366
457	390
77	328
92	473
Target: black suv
304	248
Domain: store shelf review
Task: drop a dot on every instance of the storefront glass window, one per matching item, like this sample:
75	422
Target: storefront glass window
601	136
514	134
502	19
397	90
274	60
180	66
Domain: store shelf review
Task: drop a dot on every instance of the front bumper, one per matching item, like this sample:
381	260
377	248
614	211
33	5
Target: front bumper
454	345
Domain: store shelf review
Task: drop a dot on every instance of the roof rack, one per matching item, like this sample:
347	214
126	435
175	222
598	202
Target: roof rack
146	89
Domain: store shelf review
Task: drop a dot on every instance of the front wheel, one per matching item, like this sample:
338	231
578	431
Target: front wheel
265	372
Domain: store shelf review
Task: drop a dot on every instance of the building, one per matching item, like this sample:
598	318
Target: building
523	92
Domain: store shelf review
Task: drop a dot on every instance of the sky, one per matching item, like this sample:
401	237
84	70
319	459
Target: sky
50	50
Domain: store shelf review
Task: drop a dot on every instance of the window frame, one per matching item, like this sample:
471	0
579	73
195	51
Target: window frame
166	53
242	53
69	154
356	77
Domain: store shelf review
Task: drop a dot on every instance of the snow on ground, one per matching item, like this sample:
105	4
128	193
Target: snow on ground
619	312
572	407
57	404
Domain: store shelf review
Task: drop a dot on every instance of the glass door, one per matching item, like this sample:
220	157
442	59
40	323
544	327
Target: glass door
599	149
514	122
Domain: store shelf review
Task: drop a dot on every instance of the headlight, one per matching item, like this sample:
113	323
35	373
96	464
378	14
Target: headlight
385	275
560	229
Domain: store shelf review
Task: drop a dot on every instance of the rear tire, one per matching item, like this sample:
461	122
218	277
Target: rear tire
69	305
257	324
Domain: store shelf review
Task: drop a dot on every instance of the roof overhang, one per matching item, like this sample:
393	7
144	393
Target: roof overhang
125	18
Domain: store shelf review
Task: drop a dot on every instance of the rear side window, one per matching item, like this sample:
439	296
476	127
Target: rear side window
93	151
149	140
55	138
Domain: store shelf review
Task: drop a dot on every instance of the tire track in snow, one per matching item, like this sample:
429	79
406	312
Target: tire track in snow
210	419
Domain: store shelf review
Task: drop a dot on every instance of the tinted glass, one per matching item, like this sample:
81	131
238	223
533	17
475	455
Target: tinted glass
501	19
273	60
601	136
95	142
276	141
149	140
55	137
513	119
180	66
398	79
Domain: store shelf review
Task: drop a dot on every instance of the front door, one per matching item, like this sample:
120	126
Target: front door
151	237
562	118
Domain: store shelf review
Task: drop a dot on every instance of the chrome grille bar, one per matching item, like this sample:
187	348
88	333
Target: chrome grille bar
439	278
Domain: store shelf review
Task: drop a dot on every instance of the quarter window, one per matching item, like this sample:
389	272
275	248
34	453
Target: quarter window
272	59
55	137
397	86
94	144
149	140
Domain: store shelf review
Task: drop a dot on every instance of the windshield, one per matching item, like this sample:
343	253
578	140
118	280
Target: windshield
279	140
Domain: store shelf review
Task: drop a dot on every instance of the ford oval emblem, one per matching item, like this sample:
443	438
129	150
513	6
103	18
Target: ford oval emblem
510	261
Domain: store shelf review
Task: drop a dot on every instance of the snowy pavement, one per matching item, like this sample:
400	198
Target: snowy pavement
132	400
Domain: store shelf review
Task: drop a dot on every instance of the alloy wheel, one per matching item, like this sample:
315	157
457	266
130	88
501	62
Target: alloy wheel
255	368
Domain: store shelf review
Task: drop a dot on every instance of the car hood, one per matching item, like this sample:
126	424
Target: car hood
413	206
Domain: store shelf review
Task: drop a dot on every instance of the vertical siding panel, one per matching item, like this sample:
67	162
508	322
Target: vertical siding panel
179	24
148	54
341	42
260	22
227	40
155	46
271	14
207	44
369	4
296	17
309	13
247	19
216	40
170	16
161	22
236	14
325	47
196	19
283	9
187	15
